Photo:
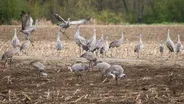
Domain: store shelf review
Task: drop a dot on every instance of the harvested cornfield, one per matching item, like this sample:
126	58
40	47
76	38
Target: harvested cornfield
151	79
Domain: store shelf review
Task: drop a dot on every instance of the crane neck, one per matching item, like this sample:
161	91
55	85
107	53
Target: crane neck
15	33
168	35
122	37
140	38
36	23
58	38
77	32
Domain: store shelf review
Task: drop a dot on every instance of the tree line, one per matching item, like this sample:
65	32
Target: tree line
103	11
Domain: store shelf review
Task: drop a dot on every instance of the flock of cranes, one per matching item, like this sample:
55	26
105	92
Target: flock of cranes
90	47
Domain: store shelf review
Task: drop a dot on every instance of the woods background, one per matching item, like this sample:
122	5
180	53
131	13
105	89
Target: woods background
102	11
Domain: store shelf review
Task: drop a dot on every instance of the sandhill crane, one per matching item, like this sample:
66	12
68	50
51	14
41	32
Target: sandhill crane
105	48
40	68
179	46
92	41
117	43
27	27
66	24
78	68
116	71
99	44
90	57
25	45
101	66
8	55
139	46
59	45
169	43
161	47
79	40
15	40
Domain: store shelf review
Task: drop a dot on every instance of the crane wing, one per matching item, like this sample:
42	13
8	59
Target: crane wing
82	21
58	17
27	20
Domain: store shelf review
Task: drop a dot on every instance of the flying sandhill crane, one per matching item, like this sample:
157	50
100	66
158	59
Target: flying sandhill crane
79	40
179	46
90	57
27	25
105	48
92	41
78	69
59	45
40	68
161	47
25	45
15	40
117	43
8	55
169	43
139	46
66	24
116	71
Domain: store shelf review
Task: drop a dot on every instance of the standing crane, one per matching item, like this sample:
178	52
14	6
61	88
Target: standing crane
161	47
105	48
117	43
80	41
8	55
25	45
90	57
27	25
59	45
169	43
78	69
179	45
99	44
15	40
116	71
40	68
139	46
92	41
66	24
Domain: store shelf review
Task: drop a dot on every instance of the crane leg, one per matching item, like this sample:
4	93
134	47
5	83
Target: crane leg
116	78
65	33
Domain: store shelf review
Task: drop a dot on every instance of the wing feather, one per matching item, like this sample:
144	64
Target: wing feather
82	21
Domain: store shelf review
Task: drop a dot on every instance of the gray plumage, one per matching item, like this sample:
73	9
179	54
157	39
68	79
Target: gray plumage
179	45
99	44
116	71
101	66
139	46
66	24
92	41
27	24
25	45
78	69
90	57
15	40
8	55
161	47
59	45
117	43
105	48
169	43
80	41
40	67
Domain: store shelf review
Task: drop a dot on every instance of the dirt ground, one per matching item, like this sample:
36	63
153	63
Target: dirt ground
151	79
